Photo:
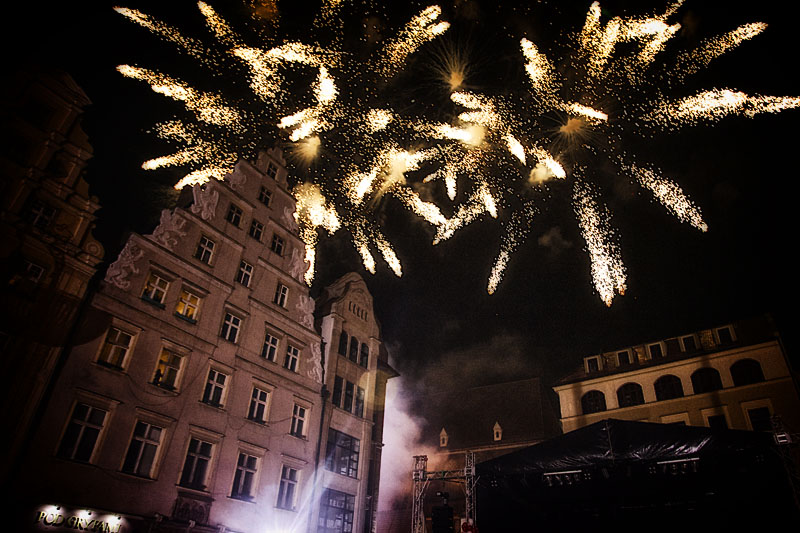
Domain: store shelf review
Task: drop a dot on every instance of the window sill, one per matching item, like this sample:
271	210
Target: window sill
166	388
154	303
186	318
217	406
246	498
261	423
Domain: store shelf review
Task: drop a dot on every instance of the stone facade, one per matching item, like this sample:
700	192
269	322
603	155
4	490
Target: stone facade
194	398
735	376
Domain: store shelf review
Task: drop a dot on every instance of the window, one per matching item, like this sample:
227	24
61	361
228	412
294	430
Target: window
33	272
349	392
168	369
689	343
299	414
264	196
343	344
256	229
215	388
668	387
243	479
630	394
270	348
188	305
497	432
277	244
234	215
760	419
338	385
287	491
717	421
364	360
353	355
725	335
195	467
623	358
39	214
706	380
245	273
592	364
155	289
143	450
359	406
292	357
205	250
115	348
272	170
656	351
281	294
336	512
746	372
230	327
342	453
442	438
80	438
259	403
593	401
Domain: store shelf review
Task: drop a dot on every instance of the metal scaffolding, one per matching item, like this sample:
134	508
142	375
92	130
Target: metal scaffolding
422	478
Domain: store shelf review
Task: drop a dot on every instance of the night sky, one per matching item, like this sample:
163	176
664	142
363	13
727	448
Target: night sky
546	314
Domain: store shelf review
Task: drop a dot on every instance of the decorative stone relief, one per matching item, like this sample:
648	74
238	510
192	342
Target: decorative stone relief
169	229
305	306
119	271
315	372
236	179
298	265
205	201
288	219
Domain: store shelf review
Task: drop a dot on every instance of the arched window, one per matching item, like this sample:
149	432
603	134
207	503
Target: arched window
706	380
343	343
442	438
630	394
668	387
353	350
593	401
746	371
364	360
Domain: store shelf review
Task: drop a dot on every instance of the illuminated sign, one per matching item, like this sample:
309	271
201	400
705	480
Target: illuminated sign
55	517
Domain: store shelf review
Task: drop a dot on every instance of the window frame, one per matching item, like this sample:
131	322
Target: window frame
232	325
151	289
156	457
244	275
265	404
205	250
273	348
342	454
299	420
71	453
236	492
234	215
256	230
189	481
187	305
292	358
215	392
288	502
104	360
175	385
265	196
277	245
336	507
281	295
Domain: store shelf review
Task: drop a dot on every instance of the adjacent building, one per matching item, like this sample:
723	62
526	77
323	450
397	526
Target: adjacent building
194	398
47	252
732	376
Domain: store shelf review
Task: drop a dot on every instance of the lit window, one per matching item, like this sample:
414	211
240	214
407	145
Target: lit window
230	327
83	431
205	250
281	294
336	512
245	273
287	491
292	356
342	453
188	305
243	479
168	369
272	170
277	245
155	290
298	421
256	229
234	215
195	467
215	388
259	403
143	450
115	348
264	196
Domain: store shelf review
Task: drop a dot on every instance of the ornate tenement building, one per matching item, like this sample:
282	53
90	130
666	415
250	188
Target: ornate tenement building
47	251
733	376
195	399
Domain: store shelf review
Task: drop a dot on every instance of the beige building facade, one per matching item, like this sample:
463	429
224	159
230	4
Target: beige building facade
194	398
732	376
